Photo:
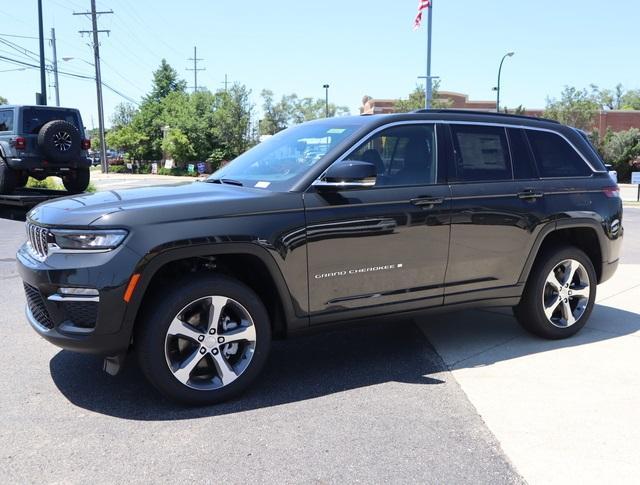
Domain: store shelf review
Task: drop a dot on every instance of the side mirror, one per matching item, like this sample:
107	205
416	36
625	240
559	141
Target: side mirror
348	174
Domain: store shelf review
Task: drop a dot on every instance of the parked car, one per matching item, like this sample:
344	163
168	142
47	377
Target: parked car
40	141
401	215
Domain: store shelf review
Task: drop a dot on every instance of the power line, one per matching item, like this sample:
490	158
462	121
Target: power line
72	75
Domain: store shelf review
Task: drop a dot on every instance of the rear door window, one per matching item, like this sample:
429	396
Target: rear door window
6	120
34	118
521	156
555	157
481	153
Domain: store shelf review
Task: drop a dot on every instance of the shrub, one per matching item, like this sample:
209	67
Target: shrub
621	149
51	183
118	169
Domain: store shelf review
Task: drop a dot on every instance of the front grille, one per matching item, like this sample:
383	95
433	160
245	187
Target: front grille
81	313
37	307
38	240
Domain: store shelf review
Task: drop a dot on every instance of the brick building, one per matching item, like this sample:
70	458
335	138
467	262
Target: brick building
615	120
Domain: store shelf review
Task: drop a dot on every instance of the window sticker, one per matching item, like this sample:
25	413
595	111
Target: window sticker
336	131
262	185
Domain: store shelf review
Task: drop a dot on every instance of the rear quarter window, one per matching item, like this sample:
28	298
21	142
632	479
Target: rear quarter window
555	157
34	118
6	120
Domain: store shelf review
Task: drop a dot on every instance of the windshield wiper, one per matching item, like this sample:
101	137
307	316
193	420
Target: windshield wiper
225	181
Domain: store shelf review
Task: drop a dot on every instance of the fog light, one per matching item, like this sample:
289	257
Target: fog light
78	291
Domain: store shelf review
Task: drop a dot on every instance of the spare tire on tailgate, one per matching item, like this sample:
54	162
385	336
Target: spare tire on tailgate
59	141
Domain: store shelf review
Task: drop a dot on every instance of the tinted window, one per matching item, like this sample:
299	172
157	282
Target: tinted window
481	153
34	118
521	157
6	120
555	157
403	155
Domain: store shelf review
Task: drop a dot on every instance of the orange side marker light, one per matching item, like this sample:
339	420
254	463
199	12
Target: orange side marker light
133	282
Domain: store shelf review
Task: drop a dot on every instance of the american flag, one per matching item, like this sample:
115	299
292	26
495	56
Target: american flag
422	5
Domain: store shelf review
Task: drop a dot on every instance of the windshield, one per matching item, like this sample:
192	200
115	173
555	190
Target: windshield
278	162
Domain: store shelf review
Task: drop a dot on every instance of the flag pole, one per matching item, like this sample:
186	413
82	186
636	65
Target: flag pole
429	93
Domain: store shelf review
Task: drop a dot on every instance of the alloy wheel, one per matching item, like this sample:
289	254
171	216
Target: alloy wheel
62	141
210	343
566	293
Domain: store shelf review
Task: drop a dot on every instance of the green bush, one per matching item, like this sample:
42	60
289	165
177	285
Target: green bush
51	183
176	171
621	149
118	169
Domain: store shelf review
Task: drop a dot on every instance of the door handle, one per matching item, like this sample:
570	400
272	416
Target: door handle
427	201
530	194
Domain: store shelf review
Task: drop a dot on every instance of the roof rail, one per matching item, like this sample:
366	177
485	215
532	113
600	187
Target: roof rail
485	113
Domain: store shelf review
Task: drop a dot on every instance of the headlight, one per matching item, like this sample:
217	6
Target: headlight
70	239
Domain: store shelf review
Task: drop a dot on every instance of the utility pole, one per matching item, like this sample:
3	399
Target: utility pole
326	100
226	83
42	98
96	55
55	66
429	94
195	69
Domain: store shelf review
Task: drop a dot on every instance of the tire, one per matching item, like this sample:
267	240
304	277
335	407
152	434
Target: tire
567	307
77	181
22	178
8	179
187	362
59	141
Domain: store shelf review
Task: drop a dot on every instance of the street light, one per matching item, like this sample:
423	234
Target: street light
326	99
508	54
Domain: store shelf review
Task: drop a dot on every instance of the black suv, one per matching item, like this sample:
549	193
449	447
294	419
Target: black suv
40	141
329	221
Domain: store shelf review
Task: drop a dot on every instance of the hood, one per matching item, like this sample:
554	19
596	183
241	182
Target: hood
159	204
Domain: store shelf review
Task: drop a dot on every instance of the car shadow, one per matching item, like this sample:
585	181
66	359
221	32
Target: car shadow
298	369
484	337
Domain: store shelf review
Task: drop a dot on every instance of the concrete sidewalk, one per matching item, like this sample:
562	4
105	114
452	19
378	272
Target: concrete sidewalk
563	411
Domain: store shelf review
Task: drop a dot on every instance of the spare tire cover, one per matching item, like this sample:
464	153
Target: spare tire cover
59	141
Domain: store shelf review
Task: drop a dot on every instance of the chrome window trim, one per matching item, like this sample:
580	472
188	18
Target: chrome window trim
371	134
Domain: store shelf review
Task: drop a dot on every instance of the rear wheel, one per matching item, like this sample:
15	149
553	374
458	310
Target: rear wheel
8	179
559	295
22	178
204	340
77	181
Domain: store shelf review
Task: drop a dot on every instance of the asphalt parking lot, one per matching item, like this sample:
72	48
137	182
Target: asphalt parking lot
367	404
461	398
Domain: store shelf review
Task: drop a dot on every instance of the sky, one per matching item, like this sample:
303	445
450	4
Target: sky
358	47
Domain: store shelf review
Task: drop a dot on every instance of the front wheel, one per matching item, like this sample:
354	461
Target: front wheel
559	295
76	181
204	340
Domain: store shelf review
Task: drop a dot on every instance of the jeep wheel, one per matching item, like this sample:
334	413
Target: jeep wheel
205	340
59	141
22	178
77	181
7	178
559	295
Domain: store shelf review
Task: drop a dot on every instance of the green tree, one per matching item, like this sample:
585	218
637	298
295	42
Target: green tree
630	100
292	110
231	122
165	81
177	143
576	107
621	149
3	100
127	139
416	100
123	114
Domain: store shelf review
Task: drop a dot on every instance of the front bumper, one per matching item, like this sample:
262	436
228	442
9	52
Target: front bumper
90	324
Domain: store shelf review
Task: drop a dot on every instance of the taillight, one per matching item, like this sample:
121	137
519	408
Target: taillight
86	144
20	143
613	192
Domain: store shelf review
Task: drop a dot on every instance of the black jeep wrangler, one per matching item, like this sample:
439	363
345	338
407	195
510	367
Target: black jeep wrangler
39	141
400	214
